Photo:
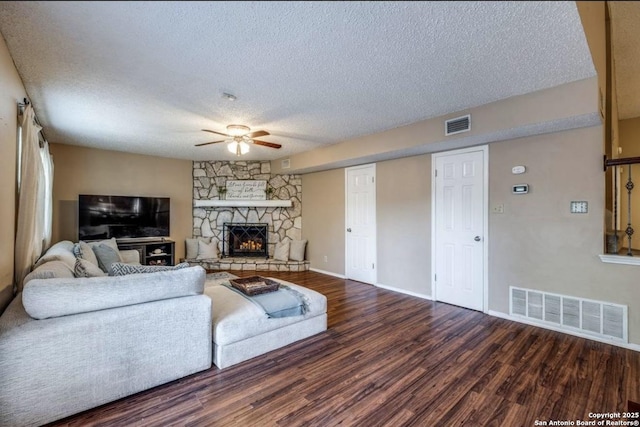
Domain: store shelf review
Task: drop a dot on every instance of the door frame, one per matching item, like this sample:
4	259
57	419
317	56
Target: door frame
375	218
485	221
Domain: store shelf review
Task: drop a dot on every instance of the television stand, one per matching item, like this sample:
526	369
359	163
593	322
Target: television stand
153	250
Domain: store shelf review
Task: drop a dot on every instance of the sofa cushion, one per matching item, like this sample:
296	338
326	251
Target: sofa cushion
45	298
50	270
85	268
121	269
60	251
106	256
130	256
83	250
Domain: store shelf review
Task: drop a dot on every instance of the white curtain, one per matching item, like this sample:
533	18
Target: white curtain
47	165
34	194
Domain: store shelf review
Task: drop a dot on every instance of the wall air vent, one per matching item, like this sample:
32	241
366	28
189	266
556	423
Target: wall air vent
286	163
605	320
457	125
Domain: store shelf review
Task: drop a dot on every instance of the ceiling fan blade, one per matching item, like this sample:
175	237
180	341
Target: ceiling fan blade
266	144
218	133
258	133
207	143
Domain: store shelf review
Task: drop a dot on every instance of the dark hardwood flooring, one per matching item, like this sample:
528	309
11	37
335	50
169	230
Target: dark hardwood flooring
389	359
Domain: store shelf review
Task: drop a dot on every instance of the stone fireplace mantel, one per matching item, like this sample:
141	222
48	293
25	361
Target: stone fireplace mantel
242	203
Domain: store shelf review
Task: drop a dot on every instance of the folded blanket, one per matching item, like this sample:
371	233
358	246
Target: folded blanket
281	303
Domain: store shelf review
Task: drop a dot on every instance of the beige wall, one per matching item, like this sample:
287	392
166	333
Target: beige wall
403	196
81	170
403	212
323	217
11	92
537	243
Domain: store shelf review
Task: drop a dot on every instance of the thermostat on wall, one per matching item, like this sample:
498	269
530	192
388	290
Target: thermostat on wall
517	170
520	189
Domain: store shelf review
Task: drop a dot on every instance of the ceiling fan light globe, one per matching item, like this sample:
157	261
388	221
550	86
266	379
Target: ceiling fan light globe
238	148
244	147
238	130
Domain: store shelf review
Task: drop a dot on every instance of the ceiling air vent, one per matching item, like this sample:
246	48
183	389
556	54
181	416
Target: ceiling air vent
286	163
457	125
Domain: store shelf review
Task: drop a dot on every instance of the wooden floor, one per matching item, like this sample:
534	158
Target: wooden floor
389	359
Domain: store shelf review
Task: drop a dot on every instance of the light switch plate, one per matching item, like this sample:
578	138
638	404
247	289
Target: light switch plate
579	207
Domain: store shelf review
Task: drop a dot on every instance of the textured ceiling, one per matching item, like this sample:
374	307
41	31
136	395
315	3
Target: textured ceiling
146	77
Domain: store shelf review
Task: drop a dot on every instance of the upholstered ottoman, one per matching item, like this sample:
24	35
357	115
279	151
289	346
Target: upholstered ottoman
242	330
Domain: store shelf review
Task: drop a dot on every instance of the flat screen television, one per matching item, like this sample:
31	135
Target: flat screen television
103	217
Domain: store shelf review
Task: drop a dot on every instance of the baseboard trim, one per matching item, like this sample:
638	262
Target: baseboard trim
328	273
630	346
404	291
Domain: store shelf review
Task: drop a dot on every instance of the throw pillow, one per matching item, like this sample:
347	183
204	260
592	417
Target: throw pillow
85	268
296	250
83	250
192	246
106	256
112	243
207	250
122	269
281	252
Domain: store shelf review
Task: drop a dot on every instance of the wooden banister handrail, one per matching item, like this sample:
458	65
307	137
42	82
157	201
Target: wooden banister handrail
620	162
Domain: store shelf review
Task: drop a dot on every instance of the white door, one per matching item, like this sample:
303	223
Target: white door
361	223
459	249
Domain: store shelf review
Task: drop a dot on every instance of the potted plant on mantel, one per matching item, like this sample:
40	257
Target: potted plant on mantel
269	192
222	191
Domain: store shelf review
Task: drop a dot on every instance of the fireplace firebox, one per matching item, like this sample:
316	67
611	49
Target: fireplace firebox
245	240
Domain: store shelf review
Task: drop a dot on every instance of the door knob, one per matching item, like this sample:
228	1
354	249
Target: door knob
348	230
477	238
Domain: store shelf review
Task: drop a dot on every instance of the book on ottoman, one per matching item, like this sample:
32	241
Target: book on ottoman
254	285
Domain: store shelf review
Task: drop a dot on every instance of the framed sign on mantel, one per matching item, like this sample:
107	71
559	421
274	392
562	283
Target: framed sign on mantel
246	190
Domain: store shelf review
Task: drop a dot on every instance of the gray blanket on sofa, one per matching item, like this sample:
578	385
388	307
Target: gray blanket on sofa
281	303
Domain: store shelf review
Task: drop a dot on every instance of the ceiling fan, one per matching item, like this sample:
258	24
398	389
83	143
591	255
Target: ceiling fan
239	138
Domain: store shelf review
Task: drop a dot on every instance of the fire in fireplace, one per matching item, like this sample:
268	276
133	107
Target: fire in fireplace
245	240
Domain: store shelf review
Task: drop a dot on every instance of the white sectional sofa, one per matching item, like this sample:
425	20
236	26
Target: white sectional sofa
68	344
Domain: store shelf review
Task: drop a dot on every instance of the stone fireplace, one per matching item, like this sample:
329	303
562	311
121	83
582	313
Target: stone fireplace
245	240
283	223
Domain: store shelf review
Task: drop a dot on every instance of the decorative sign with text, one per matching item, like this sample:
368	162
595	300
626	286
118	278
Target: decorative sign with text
246	190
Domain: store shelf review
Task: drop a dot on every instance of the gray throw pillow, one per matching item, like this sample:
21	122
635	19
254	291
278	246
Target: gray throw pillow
106	256
112	242
296	250
121	269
